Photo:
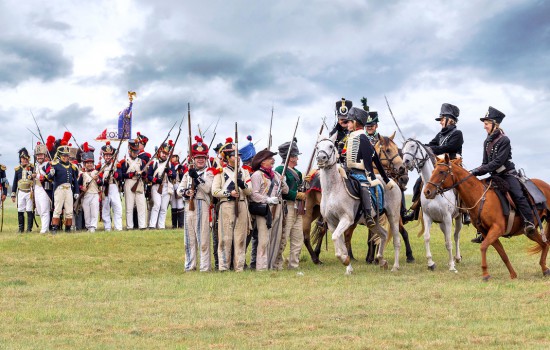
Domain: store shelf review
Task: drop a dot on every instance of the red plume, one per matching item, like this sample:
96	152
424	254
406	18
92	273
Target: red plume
49	142
38	143
171	143
66	137
107	143
138	133
85	147
229	140
198	139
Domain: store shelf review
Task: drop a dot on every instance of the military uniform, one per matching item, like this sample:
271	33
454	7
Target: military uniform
23	187
43	188
146	156
342	109
232	230
132	170
3	182
176	202
292	229
497	160
111	175
90	183
196	186
161	172
246	153
65	186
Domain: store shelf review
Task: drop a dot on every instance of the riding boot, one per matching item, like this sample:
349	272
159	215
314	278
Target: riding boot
21	221
413	213
466	220
529	228
174	218
30	220
367	206
51	216
181	217
68	225
478	238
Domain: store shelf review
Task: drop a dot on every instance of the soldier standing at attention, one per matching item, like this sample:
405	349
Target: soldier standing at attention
90	183
133	171
65	185
177	200
232	229
161	172
42	187
110	176
22	187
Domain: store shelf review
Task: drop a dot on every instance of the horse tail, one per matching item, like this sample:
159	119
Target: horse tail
422	228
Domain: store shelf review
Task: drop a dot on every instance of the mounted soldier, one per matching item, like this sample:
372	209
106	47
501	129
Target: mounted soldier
360	157
111	201
497	160
22	188
42	188
196	186
161	173
64	175
340	128
90	184
449	140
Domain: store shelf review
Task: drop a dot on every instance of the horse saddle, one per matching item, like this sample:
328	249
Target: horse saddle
353	188
315	182
536	194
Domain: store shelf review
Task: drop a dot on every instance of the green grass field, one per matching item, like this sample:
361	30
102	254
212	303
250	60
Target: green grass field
128	290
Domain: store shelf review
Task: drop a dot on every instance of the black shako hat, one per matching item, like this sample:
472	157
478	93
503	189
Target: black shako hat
494	115
449	110
342	108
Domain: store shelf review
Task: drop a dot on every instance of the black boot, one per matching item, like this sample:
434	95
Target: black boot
366	202
254	250
54	225
215	245
181	218
30	220
21	221
466	219
174	218
478	238
68	225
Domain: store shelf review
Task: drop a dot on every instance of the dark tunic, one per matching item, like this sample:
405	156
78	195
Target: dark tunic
64	173
448	140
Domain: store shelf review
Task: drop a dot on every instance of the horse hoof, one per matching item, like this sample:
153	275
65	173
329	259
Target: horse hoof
395	269
376	261
369	262
384	265
453	270
546	273
486	278
432	267
349	270
458	260
410	260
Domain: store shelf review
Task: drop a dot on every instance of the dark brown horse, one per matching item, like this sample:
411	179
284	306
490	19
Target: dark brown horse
393	165
486	211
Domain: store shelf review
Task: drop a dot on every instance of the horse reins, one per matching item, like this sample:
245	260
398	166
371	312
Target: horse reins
329	156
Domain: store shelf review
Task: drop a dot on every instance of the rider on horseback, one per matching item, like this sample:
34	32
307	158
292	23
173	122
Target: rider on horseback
448	140
342	109
497	160
360	155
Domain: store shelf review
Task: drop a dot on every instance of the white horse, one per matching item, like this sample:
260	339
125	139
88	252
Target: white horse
441	209
339	209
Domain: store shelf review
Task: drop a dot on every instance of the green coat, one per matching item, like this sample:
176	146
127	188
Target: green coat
293	185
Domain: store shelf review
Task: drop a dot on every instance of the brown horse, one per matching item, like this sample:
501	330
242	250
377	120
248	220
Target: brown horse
391	160
486	210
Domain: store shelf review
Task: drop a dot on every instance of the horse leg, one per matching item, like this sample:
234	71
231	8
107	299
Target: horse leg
322	235
492	236
394	218
371	249
340	245
427	227
446	227
348	234
307	219
405	235
458	228
545	246
383	238
500	249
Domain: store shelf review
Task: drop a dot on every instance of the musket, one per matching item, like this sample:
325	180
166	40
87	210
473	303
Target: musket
138	175
168	160
270	126
86	186
283	173
236	172
40	133
2	203
301	204
214	136
190	164
74	139
395	121
113	169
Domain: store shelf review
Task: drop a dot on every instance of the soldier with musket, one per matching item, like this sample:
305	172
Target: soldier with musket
360	156
142	141
90	184
497	160
23	187
176	202
449	140
43	189
196	187
292	229
342	109
161	173
111	176
132	170
265	186
233	223
64	175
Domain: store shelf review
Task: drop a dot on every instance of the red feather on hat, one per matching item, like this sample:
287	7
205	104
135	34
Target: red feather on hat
229	140
66	137
85	147
49	142
198	139
171	143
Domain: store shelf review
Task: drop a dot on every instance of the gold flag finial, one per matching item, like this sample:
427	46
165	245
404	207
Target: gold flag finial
131	95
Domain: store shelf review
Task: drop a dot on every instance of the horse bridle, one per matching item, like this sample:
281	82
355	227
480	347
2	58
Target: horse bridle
329	156
391	171
418	162
439	189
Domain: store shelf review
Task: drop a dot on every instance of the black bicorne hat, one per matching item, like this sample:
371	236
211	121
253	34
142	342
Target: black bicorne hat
23	153
358	115
372	119
448	110
494	115
342	108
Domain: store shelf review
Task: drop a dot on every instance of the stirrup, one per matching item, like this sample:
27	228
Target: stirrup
478	238
529	228
369	220
408	216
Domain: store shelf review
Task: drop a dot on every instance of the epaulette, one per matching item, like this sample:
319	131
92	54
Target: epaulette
3	167
55	162
17	168
248	168
74	167
214	171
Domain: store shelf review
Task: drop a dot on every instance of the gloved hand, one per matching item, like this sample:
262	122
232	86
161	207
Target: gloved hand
52	171
375	182
241	184
193	173
307	178
155	180
390	184
475	171
76	196
131	175
301	196
180	191
272	200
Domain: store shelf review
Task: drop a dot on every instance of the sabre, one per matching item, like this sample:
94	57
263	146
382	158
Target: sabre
395	121
270	126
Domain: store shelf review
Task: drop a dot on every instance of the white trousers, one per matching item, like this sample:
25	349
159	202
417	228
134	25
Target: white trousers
90	207
160	205
24	202
43	205
197	235
134	199
112	201
176	202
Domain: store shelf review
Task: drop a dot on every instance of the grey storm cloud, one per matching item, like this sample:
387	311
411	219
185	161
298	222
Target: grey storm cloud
24	58
73	116
48	23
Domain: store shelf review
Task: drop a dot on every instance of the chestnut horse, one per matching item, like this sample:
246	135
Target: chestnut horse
486	211
391	160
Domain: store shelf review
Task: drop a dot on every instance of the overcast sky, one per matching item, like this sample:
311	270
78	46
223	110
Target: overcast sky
72	62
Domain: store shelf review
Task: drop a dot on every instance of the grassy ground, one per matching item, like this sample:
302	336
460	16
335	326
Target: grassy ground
128	290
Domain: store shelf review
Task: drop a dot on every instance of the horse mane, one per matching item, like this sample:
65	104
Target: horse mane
431	155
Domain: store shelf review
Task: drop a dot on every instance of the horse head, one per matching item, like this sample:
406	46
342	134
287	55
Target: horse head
415	154
388	152
327	153
443	179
